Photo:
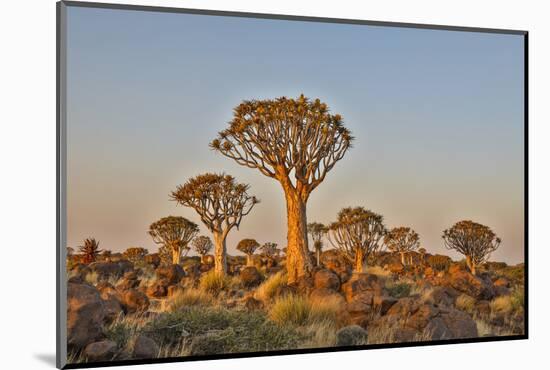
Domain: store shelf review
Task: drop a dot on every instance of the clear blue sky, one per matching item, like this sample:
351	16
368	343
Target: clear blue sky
437	116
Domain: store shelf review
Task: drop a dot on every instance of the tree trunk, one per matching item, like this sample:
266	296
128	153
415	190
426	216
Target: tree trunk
176	253
403	262
298	260
203	258
318	257
249	261
220	253
359	261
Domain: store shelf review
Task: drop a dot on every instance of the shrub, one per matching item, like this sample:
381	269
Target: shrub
271	287
188	297
466	303
213	282
399	290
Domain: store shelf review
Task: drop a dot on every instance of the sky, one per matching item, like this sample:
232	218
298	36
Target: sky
437	116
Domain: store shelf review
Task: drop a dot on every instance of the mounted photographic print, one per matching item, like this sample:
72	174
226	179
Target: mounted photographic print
236	185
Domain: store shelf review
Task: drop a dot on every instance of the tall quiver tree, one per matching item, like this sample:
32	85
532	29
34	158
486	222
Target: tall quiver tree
248	247
358	234
89	250
402	240
475	241
174	233
202	245
296	142
317	231
221	203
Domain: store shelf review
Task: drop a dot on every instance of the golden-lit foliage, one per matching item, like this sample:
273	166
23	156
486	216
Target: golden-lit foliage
174	234
202	245
248	246
357	233
135	254
281	135
270	250
473	240
217	198
90	250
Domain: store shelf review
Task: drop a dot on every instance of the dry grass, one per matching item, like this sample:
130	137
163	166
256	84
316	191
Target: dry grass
320	335
465	303
214	283
502	304
378	271
269	288
186	298
300	311
92	278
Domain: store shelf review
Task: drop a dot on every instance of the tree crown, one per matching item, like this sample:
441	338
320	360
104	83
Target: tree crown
248	246
269	249
173	231
202	244
219	200
472	239
402	239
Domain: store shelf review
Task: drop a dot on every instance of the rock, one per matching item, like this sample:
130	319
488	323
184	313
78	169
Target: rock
157	289
85	315
361	283
126	283
469	284
133	300
145	348
172	273
483	307
250	276
321	294
153	259
326	279
208	260
501	290
173	290
108	269
395	268
439	295
502	282
335	262
106	290
77	279
459	325
104	350
252	303
383	303
351	336
113	309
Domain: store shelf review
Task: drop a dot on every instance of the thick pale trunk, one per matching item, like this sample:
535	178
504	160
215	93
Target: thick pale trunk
318	257
220	253
298	260
249	260
471	265
359	261
403	262
203	258
176	253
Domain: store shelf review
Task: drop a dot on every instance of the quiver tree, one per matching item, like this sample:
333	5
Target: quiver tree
317	231
402	240
357	234
90	250
248	247
135	254
270	250
202	245
296	142
475	241
221	203
174	234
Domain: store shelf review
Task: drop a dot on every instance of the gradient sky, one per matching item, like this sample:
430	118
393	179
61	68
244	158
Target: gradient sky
437	116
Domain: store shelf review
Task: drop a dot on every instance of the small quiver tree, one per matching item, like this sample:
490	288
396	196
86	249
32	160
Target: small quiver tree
173	234
270	250
317	231
202	245
402	240
221	203
90	250
135	254
296	142
357	234
475	241
248	247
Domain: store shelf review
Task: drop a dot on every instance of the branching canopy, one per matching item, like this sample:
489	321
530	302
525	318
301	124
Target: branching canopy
473	240
135	253
248	246
284	138
219	200
317	231
270	249
402	239
174	232
357	230
202	245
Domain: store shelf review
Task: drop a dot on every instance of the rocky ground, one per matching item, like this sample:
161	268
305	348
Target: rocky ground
118	309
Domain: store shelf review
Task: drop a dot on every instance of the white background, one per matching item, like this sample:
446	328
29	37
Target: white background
27	203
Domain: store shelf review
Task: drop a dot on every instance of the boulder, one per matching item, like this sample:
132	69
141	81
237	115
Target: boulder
113	309
133	300
326	279
104	350
252	303
85	315
153	259
464	282
108	269
157	289
383	303
250	276
441	295
361	283
106	290
334	261
502	282
396	268
172	273
351	336
145	348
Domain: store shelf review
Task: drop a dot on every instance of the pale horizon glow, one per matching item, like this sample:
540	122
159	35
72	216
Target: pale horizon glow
437	116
